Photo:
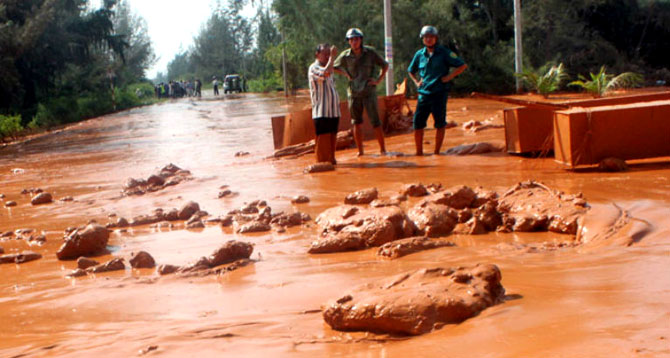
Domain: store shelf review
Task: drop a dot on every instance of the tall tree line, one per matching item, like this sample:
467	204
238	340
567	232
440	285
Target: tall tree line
225	44
624	35
60	60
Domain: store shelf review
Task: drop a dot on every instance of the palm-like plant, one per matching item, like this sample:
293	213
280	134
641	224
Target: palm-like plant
544	81
602	82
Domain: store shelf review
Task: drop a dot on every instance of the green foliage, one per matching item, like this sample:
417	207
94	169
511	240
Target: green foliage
544	81
125	98
269	83
144	89
600	83
582	34
94	105
43	118
10	126
55	111
59	59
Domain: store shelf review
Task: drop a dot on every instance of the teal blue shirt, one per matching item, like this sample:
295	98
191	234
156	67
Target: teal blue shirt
431	69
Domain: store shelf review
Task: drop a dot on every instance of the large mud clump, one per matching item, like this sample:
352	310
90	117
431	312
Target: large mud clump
531	206
169	175
528	206
364	196
434	220
348	227
89	241
417	302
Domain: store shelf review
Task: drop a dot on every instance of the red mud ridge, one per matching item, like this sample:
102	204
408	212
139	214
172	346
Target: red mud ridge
30	236
167	176
231	256
19	258
189	212
417	302
257	216
528	206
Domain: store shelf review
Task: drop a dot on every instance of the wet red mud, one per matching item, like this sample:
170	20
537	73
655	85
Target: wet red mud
600	293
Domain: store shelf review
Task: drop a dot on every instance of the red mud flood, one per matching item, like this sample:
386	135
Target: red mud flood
610	297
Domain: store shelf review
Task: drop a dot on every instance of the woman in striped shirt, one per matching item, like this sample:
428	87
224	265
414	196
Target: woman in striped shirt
325	102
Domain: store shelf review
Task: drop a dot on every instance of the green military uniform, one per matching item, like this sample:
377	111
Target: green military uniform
433	93
361	69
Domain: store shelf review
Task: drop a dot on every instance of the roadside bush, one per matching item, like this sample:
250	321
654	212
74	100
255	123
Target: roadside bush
125	99
265	84
94	105
10	126
42	118
56	111
146	90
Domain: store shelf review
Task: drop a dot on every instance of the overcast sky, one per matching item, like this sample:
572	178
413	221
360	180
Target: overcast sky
172	24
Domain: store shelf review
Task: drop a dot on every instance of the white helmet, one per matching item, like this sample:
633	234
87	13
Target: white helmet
428	30
354	32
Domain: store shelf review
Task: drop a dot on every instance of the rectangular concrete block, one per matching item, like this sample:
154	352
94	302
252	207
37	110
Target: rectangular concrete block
529	128
585	136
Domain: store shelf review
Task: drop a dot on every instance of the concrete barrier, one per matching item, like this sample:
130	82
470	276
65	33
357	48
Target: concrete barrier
529	127
585	136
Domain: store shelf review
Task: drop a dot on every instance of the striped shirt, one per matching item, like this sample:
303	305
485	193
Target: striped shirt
325	100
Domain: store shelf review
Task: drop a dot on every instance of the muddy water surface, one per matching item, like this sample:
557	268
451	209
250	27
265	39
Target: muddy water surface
600	300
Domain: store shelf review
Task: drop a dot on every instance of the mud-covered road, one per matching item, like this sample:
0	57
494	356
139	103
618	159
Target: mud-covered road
607	299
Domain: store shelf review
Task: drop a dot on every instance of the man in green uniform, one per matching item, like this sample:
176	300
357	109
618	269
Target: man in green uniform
358	64
432	64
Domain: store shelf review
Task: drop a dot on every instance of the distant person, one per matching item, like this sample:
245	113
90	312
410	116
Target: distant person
198	88
189	88
215	83
325	102
432	65
358	64
166	90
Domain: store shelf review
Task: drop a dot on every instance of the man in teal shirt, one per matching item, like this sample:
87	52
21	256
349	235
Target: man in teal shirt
432	64
358	64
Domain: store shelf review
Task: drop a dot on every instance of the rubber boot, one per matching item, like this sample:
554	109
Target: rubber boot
322	148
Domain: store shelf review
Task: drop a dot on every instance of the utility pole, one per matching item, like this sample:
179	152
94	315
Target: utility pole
388	42
518	48
283	64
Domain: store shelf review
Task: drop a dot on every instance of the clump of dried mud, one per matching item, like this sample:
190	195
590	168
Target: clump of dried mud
417	302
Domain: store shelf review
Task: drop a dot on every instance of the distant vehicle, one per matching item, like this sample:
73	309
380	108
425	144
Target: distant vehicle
232	83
